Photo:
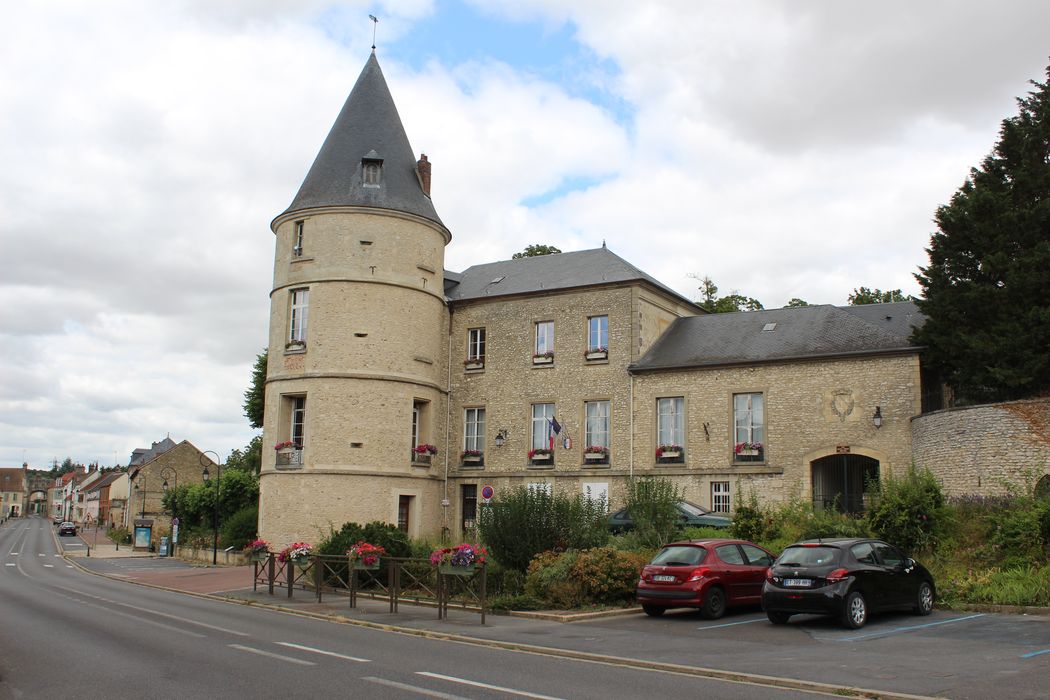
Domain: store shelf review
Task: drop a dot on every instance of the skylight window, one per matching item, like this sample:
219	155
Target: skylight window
498	279
769	327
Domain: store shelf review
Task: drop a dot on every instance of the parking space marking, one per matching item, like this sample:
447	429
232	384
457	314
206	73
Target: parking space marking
909	628
487	686
1023	656
731	624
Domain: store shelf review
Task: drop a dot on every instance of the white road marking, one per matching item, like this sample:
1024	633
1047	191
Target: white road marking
49	566
11	564
730	624
270	654
413	688
41	555
322	651
476	684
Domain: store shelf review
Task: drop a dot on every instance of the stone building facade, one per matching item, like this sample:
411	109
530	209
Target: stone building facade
398	390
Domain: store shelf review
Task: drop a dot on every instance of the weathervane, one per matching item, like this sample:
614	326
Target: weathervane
375	22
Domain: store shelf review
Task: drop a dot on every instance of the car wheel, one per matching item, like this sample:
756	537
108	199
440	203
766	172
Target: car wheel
777	617
714	605
653	610
856	612
924	604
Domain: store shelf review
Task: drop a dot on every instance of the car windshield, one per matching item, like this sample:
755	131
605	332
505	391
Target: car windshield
687	507
808	556
679	556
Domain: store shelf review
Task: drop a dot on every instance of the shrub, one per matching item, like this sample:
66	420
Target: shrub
598	576
652	503
752	522
907	511
119	535
524	522
240	528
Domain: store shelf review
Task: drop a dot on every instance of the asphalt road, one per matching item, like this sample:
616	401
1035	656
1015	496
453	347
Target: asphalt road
65	633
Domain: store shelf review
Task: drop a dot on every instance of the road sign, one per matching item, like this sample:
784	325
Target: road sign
486	492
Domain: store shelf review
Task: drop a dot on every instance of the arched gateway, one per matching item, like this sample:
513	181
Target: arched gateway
839	481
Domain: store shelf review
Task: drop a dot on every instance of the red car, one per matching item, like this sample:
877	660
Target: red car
707	574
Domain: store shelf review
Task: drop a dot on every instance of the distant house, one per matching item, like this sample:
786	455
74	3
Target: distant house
12	491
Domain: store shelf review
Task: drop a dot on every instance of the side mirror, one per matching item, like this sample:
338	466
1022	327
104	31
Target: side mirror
909	564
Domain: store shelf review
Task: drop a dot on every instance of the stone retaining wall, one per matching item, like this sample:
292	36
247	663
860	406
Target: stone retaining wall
983	449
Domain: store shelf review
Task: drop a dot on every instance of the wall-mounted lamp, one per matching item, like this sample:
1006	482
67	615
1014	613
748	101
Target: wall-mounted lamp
501	438
877	418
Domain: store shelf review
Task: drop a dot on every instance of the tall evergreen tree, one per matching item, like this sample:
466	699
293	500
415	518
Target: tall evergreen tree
987	287
256	393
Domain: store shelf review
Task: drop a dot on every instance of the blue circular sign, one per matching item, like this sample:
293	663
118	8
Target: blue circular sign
486	492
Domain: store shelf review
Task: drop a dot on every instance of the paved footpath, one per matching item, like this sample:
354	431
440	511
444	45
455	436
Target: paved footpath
900	656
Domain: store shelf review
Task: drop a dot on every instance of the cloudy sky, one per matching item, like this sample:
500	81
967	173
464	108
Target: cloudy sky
785	149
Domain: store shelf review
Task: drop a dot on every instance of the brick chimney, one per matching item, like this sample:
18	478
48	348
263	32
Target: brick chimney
423	172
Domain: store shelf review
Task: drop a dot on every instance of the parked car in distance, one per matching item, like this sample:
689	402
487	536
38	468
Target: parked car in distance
67	528
691	515
707	574
846	578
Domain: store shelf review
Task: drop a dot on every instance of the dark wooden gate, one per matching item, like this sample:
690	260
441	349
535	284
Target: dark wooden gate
839	482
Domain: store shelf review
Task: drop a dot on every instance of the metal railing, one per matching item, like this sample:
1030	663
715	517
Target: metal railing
395	579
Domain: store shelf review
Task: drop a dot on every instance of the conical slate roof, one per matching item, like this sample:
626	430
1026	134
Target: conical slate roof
368	127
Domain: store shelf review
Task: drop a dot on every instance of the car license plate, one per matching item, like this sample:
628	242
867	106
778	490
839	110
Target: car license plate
663	578
796	582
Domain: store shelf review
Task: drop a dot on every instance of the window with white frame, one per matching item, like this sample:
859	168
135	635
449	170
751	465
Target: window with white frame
720	502
596	429
297	248
542	414
748	427
297	430
544	339
299	313
670	421
420	414
597	334
474	430
476	345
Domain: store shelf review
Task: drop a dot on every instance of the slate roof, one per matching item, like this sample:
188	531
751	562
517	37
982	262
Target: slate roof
367	126
107	479
142	455
560	271
800	333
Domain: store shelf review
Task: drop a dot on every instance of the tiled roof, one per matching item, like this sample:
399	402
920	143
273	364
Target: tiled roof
542	273
367	127
782	334
11	479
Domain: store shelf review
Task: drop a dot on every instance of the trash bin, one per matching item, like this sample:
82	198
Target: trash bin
163	546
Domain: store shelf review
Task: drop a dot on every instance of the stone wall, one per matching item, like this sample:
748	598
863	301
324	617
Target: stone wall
982	449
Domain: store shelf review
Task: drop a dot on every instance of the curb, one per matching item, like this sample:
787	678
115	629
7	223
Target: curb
657	666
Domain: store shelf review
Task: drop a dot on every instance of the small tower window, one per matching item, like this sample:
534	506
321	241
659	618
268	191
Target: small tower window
371	174
297	249
371	169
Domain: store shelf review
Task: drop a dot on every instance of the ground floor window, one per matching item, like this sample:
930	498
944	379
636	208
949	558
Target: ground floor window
469	506
404	510
720	497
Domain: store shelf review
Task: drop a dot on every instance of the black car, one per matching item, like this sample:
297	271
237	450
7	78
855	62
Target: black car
847	578
690	515
67	528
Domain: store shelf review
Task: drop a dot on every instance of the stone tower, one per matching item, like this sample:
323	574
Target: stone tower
358	335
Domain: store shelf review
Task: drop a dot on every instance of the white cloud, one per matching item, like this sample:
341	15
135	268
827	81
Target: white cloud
784	149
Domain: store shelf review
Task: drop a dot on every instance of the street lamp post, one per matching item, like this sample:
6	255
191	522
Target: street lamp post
165	473
215	512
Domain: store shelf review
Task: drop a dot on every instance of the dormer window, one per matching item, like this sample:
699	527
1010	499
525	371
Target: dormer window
371	169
